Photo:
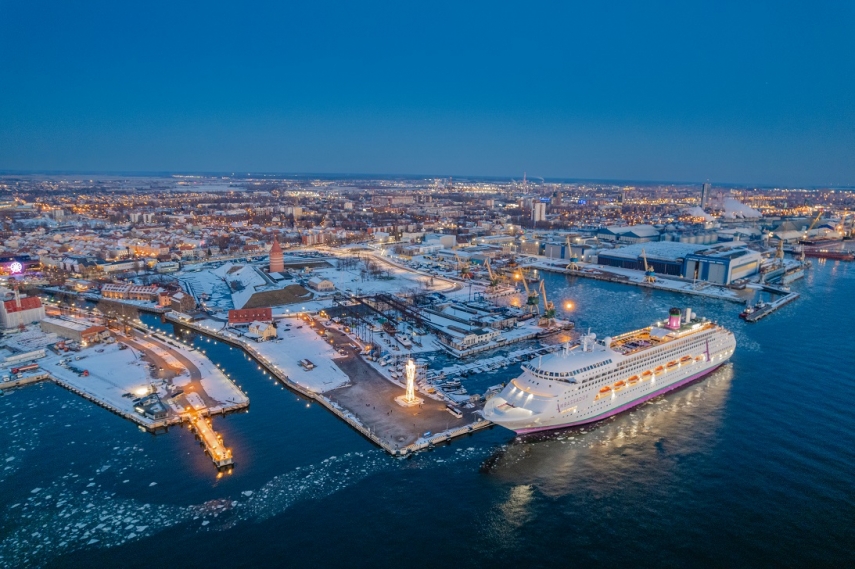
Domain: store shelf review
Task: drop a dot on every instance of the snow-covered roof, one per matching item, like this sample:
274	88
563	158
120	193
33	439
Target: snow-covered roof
734	208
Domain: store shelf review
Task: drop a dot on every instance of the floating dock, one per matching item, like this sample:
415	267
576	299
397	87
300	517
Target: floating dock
771	307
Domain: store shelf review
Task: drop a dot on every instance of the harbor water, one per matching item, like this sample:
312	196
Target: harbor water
752	466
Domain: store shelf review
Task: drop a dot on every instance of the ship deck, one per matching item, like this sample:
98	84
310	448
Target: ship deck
639	340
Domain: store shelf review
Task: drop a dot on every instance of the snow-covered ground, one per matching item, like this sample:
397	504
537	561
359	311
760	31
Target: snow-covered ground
112	373
296	341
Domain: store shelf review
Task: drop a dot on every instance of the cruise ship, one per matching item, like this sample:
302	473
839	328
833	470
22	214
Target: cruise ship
595	379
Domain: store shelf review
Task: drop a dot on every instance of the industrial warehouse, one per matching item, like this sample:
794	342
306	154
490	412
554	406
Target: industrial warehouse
718	264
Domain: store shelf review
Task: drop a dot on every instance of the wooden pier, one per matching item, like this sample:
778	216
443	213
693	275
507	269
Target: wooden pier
214	447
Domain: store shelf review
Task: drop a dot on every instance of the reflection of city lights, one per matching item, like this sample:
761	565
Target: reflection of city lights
16	267
568	305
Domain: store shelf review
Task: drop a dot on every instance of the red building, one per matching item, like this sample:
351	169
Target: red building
277	263
246	316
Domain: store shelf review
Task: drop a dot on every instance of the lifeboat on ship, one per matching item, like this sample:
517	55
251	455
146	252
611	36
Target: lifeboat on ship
685	359
646	375
620	385
604	391
633	379
699	358
672	365
659	370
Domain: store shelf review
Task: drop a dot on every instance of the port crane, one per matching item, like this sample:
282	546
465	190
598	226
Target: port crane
813	224
573	265
649	275
532	302
548	306
465	273
494	281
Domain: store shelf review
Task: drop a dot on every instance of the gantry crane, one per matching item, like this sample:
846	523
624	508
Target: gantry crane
649	274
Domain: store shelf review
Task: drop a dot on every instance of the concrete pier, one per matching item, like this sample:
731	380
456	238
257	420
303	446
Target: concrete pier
365	404
771	307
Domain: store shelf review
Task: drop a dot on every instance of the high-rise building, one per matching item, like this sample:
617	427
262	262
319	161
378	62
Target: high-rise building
277	261
538	211
705	194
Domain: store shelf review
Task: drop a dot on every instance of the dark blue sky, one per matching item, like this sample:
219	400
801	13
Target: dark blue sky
727	91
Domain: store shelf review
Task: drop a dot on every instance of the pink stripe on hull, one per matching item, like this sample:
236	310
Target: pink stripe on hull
629	405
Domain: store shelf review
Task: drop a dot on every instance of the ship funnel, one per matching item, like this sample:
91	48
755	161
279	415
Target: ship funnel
687	316
674	317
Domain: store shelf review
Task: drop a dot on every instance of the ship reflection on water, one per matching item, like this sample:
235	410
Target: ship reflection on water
640	443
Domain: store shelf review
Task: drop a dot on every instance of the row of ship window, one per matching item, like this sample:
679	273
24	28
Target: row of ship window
551	374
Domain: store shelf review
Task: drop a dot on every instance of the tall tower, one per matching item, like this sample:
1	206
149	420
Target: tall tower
277	262
705	194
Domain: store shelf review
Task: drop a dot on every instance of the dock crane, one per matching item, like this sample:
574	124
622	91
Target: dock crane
813	224
494	281
649	275
532	302
573	265
465	273
548	306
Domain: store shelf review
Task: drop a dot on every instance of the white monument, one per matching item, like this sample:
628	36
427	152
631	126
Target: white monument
410	399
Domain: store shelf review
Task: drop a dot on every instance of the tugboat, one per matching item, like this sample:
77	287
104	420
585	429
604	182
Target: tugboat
752	309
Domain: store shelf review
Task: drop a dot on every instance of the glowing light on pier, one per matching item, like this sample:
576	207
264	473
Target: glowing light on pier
410	399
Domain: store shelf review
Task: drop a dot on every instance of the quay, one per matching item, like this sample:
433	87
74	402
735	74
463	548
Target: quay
141	306
151	425
367	385
771	307
26	380
668	284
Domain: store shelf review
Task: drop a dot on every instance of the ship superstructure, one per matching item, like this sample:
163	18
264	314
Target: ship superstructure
594	379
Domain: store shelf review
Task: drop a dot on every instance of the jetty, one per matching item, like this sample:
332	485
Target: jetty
771	307
213	443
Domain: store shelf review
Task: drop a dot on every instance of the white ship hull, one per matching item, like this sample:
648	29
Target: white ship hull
608	381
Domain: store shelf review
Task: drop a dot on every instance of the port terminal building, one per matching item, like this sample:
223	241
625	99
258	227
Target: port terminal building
718	264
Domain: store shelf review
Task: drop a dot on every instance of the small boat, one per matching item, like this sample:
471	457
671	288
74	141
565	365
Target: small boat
620	385
699	358
745	313
685	359
659	370
671	365
633	379
646	375
605	389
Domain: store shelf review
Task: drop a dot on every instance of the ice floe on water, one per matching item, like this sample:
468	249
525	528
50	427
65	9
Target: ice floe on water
63	518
